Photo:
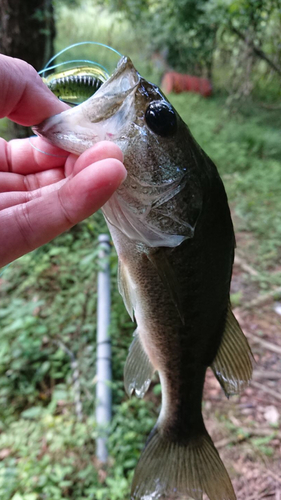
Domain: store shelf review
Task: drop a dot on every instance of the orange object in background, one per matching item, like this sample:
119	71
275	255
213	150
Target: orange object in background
177	82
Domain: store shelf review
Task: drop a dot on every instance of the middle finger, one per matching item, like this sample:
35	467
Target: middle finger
17	182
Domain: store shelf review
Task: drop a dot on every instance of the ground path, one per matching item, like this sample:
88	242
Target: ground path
247	429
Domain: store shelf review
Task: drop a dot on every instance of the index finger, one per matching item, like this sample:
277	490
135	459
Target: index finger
27	156
24	97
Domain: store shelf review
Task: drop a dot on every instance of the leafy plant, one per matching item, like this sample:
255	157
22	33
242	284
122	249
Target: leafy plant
48	309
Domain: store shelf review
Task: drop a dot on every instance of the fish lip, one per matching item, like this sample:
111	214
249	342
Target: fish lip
42	128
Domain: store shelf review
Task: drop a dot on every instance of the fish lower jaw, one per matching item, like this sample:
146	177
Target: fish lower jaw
73	143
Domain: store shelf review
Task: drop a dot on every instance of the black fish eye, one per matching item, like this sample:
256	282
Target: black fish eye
161	118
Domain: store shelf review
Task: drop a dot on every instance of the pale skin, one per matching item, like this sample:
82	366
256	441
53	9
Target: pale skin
42	195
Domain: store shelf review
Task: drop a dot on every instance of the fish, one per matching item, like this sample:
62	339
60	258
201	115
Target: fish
171	226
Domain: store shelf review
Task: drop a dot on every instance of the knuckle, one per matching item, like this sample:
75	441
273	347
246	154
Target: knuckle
22	217
25	68
6	165
65	211
31	182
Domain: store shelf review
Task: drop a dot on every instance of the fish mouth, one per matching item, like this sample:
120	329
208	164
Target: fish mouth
104	116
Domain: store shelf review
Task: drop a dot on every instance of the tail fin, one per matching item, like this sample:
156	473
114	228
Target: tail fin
172	470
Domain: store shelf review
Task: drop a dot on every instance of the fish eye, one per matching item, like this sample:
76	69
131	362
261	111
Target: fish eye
161	118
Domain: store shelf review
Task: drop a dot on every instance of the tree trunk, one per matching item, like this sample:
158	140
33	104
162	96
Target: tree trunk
256	50
27	31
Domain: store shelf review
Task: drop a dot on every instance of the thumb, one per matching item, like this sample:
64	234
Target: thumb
90	189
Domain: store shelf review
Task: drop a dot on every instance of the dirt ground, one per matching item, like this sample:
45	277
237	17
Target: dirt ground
247	429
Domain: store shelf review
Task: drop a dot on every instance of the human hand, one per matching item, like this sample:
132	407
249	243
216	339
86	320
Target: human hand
42	195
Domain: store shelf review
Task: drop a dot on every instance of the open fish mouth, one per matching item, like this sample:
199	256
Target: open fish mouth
104	116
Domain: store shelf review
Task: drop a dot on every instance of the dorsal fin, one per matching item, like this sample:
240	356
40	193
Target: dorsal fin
233	364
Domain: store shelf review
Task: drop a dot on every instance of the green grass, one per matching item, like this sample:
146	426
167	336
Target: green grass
50	296
92	23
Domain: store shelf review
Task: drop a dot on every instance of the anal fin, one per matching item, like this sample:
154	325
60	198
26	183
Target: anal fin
233	364
138	369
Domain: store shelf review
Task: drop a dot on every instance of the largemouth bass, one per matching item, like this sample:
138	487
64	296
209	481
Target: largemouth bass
172	229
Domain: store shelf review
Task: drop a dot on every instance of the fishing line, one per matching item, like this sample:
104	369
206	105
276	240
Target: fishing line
72	61
81	60
4	269
45	152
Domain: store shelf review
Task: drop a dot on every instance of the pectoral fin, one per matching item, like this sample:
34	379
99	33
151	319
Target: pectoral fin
138	370
233	364
126	288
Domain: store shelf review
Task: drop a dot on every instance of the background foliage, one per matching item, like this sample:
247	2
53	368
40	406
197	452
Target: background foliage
48	298
194	34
